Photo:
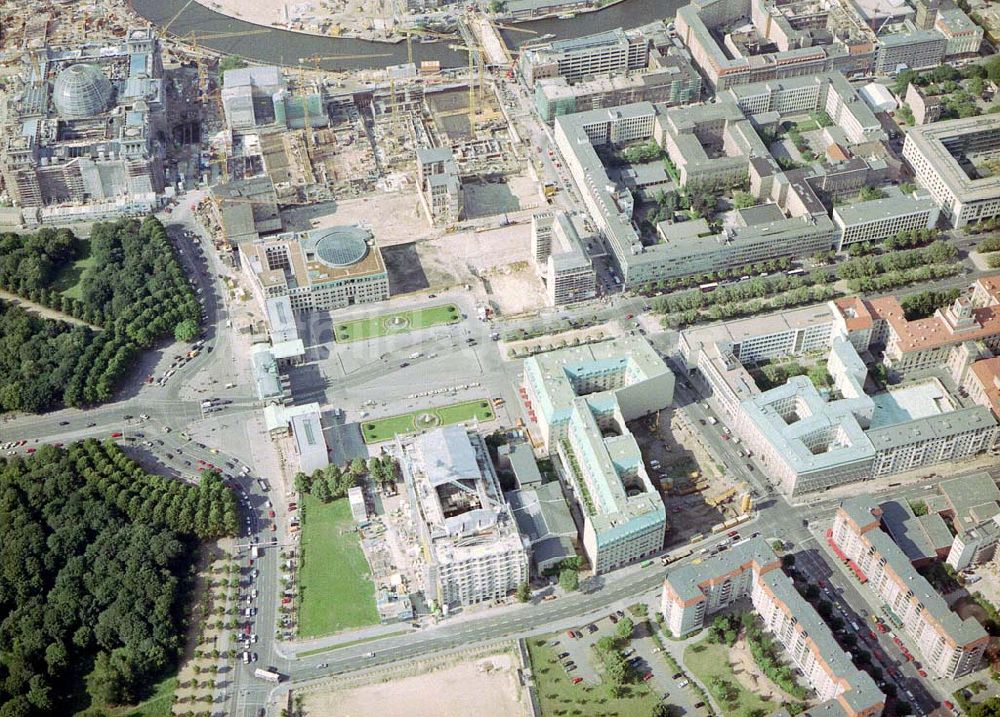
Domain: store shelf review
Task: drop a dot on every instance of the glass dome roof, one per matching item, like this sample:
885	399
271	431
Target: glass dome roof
81	91
340	246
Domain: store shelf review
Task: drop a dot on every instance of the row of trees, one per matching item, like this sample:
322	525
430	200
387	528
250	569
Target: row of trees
333	482
96	565
135	290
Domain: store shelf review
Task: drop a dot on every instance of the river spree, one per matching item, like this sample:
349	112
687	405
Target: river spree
285	48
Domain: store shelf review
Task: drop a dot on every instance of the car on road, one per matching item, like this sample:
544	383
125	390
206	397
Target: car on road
116	434
577	680
63	423
683	683
563	655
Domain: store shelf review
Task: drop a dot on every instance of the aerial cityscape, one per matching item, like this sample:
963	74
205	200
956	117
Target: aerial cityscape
503	358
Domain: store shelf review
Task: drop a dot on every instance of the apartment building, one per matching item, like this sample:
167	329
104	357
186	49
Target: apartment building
751	570
562	259
581	399
475	553
879	219
940	155
318	269
949	647
925	108
439	185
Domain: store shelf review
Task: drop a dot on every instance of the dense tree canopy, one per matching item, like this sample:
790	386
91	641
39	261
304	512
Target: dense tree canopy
93	574
134	289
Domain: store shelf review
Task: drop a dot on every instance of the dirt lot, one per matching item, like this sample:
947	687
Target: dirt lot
489	683
393	217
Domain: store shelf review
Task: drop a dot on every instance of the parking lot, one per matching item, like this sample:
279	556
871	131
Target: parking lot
579	658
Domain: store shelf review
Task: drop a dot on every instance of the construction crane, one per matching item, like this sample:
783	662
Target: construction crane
473	106
307	124
179	12
410	32
316	59
514	28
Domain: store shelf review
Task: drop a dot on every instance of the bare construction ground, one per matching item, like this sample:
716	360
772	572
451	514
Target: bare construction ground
486	687
497	258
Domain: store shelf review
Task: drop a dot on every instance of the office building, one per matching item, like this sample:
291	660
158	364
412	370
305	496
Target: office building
962	34
672	82
948	646
924	343
582	398
750	569
829	92
944	156
562	259
439	185
911	49
878	219
694	248
319	269
81	141
249	95
810	439
580	58
982	382
544	520
473	550
710	143
246	209
310	445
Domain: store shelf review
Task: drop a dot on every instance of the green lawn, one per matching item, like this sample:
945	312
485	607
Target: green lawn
706	660
68	280
559	696
385	429
336	586
397	323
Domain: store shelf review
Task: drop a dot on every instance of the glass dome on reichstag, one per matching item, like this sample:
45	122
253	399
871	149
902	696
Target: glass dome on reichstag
81	91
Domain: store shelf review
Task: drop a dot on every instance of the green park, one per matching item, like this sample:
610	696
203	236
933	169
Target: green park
385	429
396	323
